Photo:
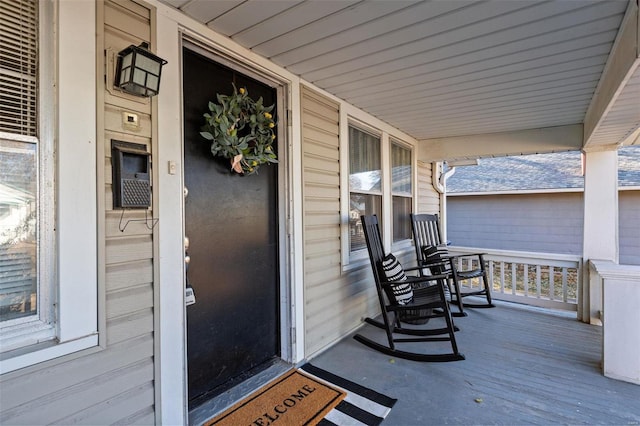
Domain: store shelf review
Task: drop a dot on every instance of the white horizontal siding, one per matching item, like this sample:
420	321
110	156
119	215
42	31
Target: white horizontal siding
55	393
137	400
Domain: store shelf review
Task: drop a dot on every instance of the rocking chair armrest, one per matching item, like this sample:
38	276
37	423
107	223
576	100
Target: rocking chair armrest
413	280
423	278
461	271
414	268
457	256
427	264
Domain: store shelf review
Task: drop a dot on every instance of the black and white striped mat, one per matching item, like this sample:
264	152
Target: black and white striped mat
362	406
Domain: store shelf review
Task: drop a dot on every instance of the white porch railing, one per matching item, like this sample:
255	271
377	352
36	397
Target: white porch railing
539	279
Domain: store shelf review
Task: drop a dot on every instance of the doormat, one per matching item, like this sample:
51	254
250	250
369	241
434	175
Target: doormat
361	405
293	399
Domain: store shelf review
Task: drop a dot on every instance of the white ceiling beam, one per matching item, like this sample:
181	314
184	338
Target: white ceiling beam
532	141
623	61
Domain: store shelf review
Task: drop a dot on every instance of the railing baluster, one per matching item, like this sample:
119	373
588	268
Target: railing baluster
491	274
548	269
564	284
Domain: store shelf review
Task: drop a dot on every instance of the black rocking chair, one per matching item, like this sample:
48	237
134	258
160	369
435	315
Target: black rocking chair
403	299
431	253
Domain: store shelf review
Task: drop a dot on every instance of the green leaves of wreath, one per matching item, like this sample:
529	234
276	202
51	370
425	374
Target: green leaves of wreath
241	130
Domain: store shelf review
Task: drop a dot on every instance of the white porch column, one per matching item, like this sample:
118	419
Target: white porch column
600	234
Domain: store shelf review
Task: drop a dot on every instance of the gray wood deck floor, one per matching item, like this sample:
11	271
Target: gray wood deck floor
522	367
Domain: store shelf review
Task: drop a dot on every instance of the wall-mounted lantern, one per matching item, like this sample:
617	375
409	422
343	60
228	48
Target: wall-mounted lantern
138	71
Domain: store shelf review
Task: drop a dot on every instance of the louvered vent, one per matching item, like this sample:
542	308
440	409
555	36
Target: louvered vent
18	66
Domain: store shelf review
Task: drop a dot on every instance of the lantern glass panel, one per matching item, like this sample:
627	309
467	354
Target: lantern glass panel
126	60
148	64
152	82
139	76
124	76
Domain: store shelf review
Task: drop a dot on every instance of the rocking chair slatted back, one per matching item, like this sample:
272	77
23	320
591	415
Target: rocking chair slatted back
374	245
426	232
431	253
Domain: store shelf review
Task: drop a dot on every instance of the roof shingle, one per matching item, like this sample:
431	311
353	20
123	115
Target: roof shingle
561	170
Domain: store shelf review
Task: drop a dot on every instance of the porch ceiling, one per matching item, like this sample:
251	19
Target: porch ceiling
435	69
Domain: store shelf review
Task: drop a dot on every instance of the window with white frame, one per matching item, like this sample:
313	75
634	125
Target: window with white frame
48	263
21	207
365	183
401	191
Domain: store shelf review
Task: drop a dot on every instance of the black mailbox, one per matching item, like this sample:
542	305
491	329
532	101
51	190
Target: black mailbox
131	175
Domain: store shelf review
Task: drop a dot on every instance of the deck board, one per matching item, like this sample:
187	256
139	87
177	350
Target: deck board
523	366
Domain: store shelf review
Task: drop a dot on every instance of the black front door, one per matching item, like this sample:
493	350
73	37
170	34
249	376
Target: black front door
232	225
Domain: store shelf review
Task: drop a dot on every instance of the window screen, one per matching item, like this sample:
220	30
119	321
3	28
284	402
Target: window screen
18	66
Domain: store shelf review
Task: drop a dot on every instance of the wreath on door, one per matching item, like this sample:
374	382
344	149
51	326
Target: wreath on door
242	130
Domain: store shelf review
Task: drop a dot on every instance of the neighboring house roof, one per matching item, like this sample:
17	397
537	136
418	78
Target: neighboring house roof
629	166
561	170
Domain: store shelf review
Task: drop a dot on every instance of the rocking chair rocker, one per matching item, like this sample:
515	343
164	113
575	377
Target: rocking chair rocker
431	253
405	298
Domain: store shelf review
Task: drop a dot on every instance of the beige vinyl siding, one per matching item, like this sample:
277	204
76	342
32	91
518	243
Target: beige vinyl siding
321	176
428	197
129	280
335	301
115	384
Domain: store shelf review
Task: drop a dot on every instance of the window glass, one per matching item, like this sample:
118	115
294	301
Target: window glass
361	204
401	176
365	183
365	172
18	161
400	170
18	214
401	218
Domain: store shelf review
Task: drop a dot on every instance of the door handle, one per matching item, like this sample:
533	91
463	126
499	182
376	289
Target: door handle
189	294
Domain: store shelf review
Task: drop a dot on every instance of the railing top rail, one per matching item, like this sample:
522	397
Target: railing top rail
532	258
609	269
